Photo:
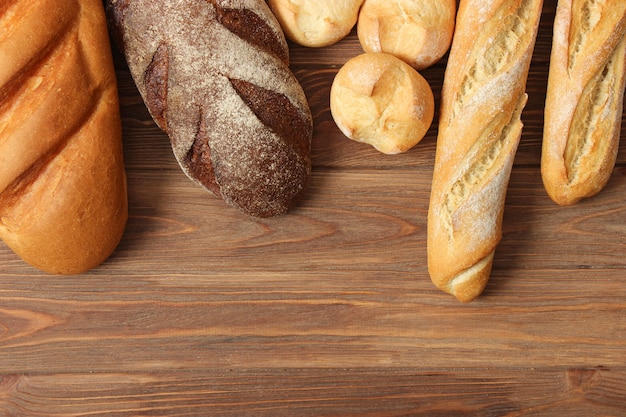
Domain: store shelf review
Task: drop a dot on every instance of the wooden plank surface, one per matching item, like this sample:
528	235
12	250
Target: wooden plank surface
329	310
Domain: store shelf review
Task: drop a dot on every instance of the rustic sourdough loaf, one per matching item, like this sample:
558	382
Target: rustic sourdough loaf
63	202
215	77
584	101
479	130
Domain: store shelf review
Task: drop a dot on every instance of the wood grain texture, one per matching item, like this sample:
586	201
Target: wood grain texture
329	310
315	392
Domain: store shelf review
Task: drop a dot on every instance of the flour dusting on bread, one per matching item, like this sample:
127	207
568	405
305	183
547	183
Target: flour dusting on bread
584	99
483	97
237	117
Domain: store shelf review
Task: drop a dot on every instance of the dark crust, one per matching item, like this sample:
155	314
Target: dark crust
276	112
249	26
198	159
116	12
155	82
262	176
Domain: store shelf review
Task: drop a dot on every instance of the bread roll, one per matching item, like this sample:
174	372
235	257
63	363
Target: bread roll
417	31
482	99
63	201
380	100
316	23
583	111
215	77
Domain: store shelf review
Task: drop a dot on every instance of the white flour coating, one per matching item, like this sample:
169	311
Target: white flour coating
208	48
198	44
482	101
592	127
580	126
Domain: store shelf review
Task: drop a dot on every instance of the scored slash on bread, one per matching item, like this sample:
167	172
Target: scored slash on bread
479	130
584	100
215	77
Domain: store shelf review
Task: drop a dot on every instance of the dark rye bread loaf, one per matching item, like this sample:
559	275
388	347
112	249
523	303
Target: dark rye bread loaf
215	77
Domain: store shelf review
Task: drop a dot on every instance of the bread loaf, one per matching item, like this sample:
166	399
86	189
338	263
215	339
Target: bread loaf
584	101
417	31
63	201
215	77
479	130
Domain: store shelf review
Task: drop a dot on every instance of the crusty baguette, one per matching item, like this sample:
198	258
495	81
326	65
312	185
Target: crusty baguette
482	99
215	77
583	111
63	200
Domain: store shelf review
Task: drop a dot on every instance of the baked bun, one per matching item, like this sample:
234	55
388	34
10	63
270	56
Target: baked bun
417	31
316	23
380	100
63	201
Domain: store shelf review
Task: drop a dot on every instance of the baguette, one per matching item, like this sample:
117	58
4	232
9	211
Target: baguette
63	199
479	131
584	100
215	77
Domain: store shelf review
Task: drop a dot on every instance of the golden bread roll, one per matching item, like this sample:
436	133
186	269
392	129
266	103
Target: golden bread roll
63	201
479	131
380	100
584	101
316	23
417	31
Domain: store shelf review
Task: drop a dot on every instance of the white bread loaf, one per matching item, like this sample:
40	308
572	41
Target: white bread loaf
583	111
63	201
482	99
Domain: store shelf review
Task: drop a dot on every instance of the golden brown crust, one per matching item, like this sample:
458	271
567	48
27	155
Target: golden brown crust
584	101
63	201
219	85
316	23
417	31
479	131
381	100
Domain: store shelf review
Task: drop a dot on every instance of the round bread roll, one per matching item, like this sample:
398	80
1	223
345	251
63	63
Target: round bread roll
380	100
417	31
316	23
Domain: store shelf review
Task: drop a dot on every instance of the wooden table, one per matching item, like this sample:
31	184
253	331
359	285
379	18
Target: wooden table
329	310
